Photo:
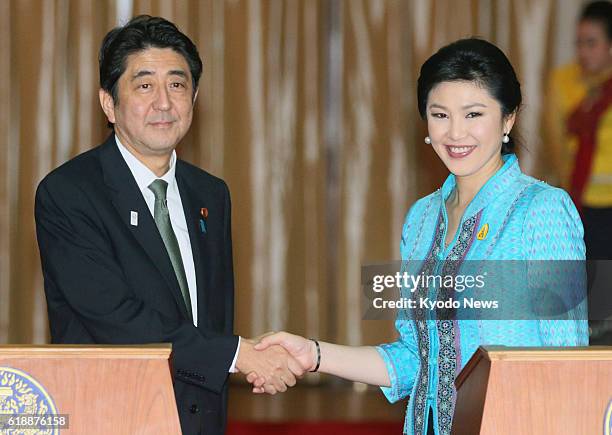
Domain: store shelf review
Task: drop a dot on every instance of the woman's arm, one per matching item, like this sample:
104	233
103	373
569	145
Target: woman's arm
360	364
553	238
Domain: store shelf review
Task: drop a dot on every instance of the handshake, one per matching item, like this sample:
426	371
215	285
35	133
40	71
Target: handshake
272	362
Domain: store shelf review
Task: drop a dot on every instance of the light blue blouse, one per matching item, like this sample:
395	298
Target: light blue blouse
527	220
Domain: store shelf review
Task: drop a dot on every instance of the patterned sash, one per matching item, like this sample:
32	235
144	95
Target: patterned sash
583	123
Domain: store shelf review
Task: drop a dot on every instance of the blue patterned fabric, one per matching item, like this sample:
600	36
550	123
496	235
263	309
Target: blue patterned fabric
527	220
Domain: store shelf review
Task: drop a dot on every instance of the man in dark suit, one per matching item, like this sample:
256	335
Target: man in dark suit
136	244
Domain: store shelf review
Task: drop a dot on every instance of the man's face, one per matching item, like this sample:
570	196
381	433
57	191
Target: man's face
593	46
155	102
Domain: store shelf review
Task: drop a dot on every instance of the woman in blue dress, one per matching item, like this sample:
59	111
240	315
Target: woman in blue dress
487	209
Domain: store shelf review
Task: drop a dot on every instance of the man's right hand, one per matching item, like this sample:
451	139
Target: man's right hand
274	366
302	349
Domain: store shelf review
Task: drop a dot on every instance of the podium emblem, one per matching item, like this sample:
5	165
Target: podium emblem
21	394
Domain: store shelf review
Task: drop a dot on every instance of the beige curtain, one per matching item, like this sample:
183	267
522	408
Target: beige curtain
307	109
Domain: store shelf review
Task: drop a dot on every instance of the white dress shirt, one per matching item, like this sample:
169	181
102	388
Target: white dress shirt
144	177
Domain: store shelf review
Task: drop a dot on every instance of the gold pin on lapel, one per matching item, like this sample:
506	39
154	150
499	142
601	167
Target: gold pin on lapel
482	234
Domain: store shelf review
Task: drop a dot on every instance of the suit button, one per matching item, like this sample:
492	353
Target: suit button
194	409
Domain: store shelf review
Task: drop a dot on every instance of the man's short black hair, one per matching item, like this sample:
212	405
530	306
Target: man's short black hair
600	11
140	33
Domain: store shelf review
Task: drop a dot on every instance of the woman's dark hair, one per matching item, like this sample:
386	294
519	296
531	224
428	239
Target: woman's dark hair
600	11
140	33
474	60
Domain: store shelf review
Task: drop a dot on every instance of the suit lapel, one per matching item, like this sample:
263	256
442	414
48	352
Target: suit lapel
127	198
192	204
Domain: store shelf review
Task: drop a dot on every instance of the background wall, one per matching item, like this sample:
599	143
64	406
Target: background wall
306	108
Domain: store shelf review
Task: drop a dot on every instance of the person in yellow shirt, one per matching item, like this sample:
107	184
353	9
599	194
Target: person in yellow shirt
579	121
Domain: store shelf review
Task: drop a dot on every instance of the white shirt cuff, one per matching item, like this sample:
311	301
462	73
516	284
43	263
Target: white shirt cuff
232	368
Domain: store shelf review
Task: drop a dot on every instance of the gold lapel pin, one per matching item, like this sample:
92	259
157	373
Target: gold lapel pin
482	234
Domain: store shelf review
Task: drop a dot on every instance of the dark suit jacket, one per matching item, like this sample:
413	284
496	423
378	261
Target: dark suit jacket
107	281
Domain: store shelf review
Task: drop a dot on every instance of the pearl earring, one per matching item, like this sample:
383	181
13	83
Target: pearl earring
506	138
427	140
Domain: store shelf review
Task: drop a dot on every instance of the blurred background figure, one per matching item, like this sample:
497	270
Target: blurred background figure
580	123
580	139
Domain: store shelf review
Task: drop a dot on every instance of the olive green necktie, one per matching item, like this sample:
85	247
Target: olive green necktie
162	220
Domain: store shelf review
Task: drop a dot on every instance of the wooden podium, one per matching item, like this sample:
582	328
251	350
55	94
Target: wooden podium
509	390
101	389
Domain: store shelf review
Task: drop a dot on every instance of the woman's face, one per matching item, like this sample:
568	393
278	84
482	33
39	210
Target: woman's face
466	127
593	46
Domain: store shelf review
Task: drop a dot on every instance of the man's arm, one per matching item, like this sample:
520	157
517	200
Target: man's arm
79	264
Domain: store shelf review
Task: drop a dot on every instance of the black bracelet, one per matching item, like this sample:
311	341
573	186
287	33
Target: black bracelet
318	356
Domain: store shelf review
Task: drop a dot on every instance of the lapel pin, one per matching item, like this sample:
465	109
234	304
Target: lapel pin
134	218
204	214
482	234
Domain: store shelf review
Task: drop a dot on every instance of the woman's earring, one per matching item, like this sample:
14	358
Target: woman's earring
506	138
427	140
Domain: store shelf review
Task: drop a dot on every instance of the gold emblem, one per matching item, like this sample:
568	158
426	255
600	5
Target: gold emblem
21	394
482	234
